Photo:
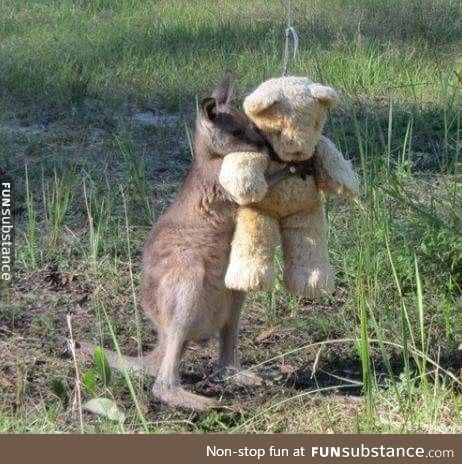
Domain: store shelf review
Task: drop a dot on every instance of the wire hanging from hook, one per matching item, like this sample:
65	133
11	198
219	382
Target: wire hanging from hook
289	32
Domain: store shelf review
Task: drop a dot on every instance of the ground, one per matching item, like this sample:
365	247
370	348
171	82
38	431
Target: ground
97	109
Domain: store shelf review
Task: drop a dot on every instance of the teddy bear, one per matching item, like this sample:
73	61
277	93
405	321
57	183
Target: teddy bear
291	113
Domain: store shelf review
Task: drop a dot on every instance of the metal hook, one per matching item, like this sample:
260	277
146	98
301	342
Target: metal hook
290	31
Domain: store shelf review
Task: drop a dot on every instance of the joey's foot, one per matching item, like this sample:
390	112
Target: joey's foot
180	398
238	376
246	276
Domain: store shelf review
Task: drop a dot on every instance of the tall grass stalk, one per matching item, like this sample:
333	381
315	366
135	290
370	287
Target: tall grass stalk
78	392
406	328
30	236
423	338
56	198
364	352
137	169
132	282
95	231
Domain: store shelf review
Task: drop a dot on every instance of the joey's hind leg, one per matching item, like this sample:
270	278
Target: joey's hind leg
152	360
228	362
167	385
181	306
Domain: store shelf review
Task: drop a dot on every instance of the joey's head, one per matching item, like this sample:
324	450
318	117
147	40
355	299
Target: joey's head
222	129
291	112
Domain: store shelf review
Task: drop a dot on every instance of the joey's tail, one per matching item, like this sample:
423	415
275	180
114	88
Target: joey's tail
148	362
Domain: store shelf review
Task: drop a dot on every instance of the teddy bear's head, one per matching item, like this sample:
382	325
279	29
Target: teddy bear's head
291	112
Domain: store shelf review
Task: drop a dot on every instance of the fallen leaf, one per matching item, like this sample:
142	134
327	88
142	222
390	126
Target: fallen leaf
105	407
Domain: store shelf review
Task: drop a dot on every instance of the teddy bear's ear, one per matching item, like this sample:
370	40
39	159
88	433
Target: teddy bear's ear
261	101
324	94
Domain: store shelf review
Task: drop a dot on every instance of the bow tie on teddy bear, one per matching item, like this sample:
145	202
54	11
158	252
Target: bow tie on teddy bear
300	169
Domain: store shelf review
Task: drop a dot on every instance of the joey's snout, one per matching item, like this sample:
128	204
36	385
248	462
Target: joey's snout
261	142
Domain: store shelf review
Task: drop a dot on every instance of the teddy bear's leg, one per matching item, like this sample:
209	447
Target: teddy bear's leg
251	262
307	270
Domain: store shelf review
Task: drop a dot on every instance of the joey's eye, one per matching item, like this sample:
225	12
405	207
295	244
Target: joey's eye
236	132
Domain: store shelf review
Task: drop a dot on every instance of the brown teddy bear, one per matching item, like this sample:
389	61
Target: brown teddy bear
291	112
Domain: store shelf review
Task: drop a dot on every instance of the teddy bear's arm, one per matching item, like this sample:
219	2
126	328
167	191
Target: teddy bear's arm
242	175
334	173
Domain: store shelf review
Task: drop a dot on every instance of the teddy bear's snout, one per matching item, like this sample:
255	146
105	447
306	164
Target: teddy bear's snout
297	155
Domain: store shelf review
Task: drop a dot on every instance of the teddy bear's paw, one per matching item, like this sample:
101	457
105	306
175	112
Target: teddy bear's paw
242	175
313	283
249	276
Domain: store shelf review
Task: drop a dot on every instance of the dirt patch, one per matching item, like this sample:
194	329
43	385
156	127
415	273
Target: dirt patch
150	119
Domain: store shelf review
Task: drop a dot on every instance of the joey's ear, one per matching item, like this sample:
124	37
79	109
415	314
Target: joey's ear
324	94
209	108
223	90
261	101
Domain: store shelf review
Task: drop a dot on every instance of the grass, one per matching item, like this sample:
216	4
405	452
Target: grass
382	355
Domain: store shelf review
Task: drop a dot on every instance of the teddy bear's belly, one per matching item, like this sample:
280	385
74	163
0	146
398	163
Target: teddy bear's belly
290	196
